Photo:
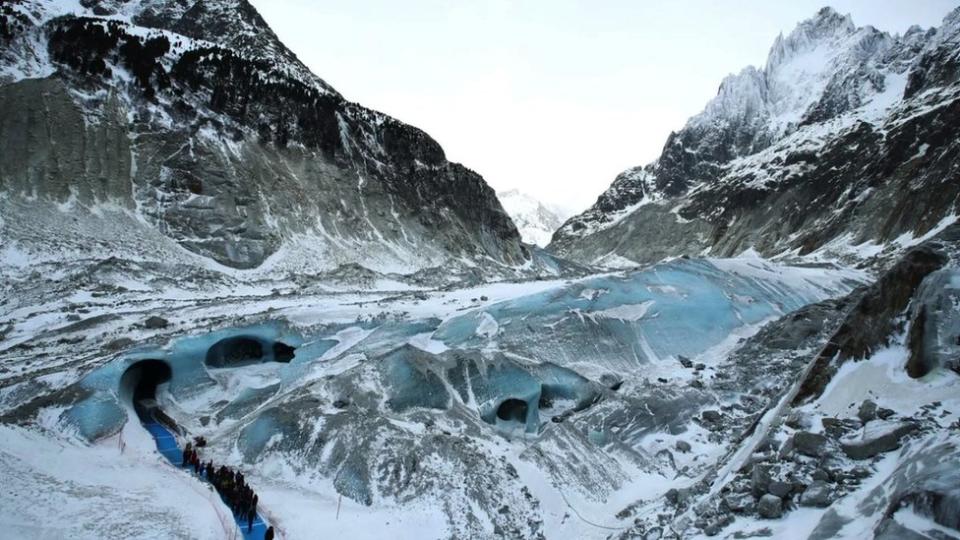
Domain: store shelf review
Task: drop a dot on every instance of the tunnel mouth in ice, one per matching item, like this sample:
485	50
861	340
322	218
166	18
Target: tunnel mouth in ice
513	410
139	382
282	352
243	350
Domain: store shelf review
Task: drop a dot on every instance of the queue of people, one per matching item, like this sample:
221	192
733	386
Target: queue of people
230	484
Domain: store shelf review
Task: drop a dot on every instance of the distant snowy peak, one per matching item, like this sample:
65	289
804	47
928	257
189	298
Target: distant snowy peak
535	220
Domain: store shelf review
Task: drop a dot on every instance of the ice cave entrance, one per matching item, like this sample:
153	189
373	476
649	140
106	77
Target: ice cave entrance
242	350
513	410
140	381
282	352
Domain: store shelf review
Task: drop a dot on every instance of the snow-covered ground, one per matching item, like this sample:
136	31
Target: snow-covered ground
56	487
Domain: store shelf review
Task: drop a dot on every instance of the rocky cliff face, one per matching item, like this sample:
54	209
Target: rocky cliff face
845	142
192	119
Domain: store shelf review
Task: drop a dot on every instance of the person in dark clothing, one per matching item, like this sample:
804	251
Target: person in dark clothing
252	511
269	534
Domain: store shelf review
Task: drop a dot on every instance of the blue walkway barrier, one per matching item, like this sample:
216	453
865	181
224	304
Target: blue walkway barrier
167	446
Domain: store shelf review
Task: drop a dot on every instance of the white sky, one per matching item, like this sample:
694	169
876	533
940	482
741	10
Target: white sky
554	97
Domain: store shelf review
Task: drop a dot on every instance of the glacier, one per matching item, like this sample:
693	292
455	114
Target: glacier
535	349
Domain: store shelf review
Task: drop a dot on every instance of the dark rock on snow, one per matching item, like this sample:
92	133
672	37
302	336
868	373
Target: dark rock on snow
810	444
770	506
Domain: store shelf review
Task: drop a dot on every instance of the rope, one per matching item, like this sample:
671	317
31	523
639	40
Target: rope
587	521
567	502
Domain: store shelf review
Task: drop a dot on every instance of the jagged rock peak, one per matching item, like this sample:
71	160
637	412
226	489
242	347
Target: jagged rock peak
828	88
826	25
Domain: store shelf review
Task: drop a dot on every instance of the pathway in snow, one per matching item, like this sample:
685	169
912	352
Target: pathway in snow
167	445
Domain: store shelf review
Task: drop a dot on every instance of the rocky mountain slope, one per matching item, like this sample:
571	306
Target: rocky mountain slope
535	220
845	143
185	131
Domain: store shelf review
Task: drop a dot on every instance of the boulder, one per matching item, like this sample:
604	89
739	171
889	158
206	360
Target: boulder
156	323
785	449
760	480
712	417
817	494
683	446
884	414
867	412
877	438
119	344
780	489
684	361
770	506
738	502
810	444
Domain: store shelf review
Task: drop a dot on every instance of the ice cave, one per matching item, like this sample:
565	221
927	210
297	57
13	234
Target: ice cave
141	379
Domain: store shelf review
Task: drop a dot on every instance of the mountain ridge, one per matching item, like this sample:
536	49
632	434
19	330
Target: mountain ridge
767	134
214	126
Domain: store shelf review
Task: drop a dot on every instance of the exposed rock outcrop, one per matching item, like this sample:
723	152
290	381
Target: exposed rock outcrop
207	128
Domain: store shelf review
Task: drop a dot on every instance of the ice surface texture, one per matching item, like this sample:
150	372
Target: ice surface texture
620	322
558	342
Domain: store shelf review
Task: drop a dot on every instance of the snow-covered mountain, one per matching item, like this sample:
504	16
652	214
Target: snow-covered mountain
815	153
535	220
189	126
198	237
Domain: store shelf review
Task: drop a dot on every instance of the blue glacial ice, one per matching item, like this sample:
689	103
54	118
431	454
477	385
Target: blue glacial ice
107	391
515	363
502	392
620	322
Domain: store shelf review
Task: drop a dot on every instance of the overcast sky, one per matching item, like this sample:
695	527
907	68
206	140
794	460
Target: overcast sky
554	97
